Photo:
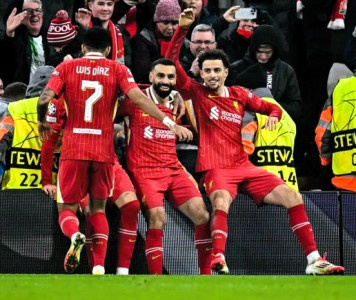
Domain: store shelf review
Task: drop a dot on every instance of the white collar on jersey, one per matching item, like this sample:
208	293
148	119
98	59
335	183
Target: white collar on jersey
152	95
225	92
94	55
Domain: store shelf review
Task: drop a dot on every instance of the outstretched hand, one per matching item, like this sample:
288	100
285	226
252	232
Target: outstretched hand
13	21
186	18
83	17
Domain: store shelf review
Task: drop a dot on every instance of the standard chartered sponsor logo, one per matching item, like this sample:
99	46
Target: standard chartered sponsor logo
148	133
164	134
225	115
214	113
231	117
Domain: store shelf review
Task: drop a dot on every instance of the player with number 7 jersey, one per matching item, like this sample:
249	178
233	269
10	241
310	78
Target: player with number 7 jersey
90	86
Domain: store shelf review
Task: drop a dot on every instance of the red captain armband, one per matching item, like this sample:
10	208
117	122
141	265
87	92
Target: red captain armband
168	122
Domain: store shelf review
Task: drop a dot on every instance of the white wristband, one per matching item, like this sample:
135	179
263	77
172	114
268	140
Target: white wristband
168	122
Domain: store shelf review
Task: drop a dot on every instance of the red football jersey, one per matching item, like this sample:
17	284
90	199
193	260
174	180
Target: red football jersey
90	87
219	118
151	145
56	114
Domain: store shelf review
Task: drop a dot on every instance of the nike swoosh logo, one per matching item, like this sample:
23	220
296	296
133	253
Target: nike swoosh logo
145	115
155	257
132	241
208	249
210	96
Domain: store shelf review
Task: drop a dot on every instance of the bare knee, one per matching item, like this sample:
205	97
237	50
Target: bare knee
71	206
195	210
221	200
125	198
97	205
156	218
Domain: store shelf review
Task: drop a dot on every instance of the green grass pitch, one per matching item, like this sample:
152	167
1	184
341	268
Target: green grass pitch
67	287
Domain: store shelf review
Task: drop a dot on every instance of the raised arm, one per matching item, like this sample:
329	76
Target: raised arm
184	82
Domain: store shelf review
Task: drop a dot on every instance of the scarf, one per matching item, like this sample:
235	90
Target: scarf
337	20
117	41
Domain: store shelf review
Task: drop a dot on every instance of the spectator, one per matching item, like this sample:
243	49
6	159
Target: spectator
284	14
201	13
100	14
219	111
160	175
281	79
151	43
235	43
23	138
270	150
13	92
335	134
25	44
203	38
63	38
134	15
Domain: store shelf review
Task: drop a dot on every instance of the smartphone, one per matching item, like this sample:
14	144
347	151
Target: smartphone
246	13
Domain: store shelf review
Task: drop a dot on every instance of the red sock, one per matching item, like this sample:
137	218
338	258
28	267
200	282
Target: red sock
100	232
68	222
301	227
127	233
218	229
89	242
204	247
154	251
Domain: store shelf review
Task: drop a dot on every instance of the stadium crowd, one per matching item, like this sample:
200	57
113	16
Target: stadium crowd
293	54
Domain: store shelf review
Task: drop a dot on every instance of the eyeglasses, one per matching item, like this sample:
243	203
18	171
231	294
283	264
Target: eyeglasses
173	23
33	11
198	42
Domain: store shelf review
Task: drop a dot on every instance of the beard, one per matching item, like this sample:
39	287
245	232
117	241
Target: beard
162	94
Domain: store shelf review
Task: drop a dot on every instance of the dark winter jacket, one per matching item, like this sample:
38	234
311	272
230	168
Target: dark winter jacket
280	77
145	50
235	45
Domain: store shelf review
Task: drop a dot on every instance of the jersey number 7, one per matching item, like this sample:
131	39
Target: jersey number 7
95	97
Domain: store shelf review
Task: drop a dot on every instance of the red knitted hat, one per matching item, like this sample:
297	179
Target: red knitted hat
167	10
61	30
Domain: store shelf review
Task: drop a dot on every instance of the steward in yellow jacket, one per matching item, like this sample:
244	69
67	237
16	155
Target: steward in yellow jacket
336	134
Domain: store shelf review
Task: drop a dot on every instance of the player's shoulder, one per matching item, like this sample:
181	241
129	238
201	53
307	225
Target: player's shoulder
239	91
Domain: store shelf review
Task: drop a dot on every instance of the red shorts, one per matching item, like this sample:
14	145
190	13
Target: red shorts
177	187
76	178
246	178
122	183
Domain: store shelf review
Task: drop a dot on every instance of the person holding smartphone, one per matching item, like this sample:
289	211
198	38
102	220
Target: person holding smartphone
235	44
